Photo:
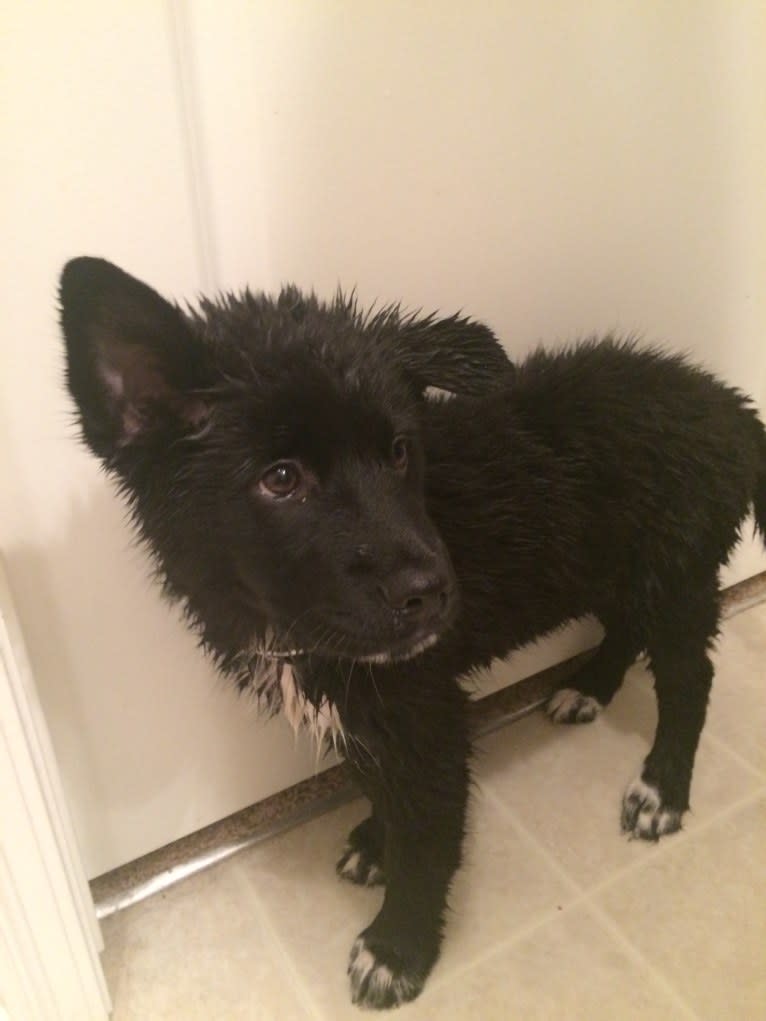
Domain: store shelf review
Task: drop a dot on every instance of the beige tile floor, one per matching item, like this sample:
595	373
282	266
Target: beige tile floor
556	915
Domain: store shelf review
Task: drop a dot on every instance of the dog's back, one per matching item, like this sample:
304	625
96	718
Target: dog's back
603	473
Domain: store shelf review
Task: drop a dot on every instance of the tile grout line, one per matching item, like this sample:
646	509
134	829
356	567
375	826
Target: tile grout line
528	929
724	746
718	742
616	932
584	898
283	957
575	888
669	847
540	920
580	896
660	851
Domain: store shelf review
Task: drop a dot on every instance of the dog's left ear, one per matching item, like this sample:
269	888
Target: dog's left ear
135	367
455	354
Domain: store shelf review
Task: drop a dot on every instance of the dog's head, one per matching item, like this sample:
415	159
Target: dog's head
271	453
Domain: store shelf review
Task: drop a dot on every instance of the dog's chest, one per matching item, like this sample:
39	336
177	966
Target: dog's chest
320	721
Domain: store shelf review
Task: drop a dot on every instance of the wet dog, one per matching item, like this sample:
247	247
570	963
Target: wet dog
348	548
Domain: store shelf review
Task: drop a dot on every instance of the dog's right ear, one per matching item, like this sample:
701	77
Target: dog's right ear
459	355
134	366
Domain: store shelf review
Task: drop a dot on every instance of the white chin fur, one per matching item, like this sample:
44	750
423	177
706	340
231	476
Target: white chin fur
265	650
387	657
323	721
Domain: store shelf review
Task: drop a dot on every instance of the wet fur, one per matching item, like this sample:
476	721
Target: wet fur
602	479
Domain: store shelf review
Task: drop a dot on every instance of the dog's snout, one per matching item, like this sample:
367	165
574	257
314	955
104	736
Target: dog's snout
415	593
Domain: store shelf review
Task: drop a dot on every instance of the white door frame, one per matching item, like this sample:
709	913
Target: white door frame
49	937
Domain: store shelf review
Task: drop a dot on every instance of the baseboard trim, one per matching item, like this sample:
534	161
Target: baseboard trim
116	890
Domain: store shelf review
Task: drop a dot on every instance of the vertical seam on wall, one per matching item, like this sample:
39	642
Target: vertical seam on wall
198	180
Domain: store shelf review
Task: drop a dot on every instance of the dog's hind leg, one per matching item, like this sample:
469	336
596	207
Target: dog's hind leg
656	800
594	684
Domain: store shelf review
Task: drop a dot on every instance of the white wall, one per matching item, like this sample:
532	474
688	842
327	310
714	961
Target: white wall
554	168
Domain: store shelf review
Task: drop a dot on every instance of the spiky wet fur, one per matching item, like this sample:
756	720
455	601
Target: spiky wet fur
601	479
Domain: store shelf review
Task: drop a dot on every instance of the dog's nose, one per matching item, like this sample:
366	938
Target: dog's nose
415	593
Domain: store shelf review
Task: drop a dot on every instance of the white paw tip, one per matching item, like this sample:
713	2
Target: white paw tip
570	706
365	969
351	865
644	815
374	984
374	876
364	965
641	791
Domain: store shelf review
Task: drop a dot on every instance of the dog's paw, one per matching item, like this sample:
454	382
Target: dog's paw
644	815
570	706
362	858
358	866
380	978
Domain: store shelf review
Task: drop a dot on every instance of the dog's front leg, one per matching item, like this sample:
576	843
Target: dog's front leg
412	761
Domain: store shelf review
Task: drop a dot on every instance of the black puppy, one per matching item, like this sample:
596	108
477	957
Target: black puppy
348	549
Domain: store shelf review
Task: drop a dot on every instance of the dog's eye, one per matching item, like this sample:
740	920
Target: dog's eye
281	480
400	453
